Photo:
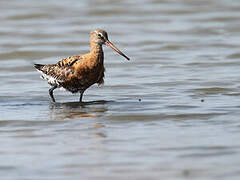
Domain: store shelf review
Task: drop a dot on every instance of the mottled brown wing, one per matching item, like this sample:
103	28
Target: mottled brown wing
56	75
69	61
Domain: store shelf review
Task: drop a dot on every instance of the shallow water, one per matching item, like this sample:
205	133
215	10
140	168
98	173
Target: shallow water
172	112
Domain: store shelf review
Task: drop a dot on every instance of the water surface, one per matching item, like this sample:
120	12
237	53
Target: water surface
172	112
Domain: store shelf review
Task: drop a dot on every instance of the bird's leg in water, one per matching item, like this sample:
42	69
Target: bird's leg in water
51	93
81	96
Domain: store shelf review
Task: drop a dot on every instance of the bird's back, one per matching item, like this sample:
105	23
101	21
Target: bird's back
74	73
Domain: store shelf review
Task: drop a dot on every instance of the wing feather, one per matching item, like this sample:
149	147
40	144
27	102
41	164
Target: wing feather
56	75
69	61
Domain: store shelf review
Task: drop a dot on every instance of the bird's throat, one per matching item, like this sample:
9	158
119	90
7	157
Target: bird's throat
96	51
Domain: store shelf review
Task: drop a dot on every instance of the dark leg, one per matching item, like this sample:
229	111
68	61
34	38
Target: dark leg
51	93
81	95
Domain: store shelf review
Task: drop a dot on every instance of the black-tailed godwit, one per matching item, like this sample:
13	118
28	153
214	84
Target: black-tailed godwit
77	73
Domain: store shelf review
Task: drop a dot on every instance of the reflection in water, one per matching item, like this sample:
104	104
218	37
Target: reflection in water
74	110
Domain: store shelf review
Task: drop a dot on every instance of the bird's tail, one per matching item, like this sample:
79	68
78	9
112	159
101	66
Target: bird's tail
38	66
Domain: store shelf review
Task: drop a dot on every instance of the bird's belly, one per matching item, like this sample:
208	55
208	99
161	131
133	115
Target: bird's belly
82	82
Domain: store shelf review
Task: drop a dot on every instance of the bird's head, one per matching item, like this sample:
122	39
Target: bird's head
100	37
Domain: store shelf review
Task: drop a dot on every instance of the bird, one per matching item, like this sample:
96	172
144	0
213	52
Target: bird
77	73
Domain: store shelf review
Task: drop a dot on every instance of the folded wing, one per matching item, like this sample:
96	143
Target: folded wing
56	74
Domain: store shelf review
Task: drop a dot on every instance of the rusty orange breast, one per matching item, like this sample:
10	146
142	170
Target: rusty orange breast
87	72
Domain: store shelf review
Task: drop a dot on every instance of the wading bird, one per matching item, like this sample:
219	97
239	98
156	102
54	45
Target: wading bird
77	73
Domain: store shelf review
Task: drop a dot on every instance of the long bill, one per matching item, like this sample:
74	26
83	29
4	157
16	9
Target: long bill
108	43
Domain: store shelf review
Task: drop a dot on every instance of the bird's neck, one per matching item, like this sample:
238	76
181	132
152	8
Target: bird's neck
96	53
96	49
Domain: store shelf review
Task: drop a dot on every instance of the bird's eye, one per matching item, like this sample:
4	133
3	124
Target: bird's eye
100	35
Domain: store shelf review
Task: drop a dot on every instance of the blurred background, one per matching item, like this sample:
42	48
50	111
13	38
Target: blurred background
172	112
